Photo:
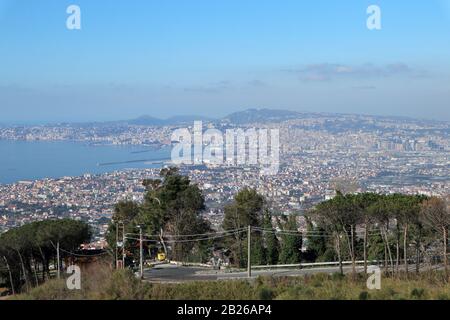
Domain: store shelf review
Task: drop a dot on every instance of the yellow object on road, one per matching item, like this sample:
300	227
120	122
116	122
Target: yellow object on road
161	256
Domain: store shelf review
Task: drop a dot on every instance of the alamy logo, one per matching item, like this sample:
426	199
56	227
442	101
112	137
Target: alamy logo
73	22
374	280
253	147
73	282
374	19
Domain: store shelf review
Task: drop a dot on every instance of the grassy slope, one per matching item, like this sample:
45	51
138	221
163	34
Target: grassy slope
122	285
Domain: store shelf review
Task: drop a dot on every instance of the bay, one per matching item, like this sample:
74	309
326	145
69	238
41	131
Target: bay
34	160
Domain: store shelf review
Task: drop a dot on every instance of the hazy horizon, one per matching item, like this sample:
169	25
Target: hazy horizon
202	117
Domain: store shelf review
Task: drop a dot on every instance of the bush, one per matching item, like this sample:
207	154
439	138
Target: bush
443	296
364	295
51	290
265	294
208	290
122	285
337	276
417	293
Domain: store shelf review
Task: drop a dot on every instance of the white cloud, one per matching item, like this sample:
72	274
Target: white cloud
329	71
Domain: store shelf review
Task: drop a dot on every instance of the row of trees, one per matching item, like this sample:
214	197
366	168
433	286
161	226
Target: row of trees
172	209
27	252
382	227
268	247
396	229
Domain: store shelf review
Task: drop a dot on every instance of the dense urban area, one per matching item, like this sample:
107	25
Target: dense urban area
379	154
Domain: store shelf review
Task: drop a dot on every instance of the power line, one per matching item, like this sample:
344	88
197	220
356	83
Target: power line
77	254
307	233
189	235
190	240
84	255
226	233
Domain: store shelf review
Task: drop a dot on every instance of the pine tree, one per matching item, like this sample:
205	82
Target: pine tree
271	241
292	242
316	244
246	210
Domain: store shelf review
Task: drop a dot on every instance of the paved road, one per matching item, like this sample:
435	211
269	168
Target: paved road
174	273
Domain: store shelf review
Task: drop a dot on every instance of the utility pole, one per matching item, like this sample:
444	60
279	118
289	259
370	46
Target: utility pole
161	237
117	245
141	254
10	275
249	258
58	262
123	246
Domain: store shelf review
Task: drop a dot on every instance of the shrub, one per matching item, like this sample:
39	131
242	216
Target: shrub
417	293
337	276
364	295
265	294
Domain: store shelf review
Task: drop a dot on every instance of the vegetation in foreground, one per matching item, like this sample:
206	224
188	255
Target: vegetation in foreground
122	285
395	229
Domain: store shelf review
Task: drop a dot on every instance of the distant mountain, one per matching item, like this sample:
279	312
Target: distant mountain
261	115
176	120
241	117
187	119
146	121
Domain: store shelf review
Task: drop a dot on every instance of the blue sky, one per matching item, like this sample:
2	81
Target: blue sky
210	58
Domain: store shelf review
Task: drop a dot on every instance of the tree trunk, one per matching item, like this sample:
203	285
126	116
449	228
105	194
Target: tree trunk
385	254
418	258
445	252
161	237
44	263
353	252
23	270
350	248
405	248
34	269
397	250
397	261
338	250
385	250
389	251
10	276
365	249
